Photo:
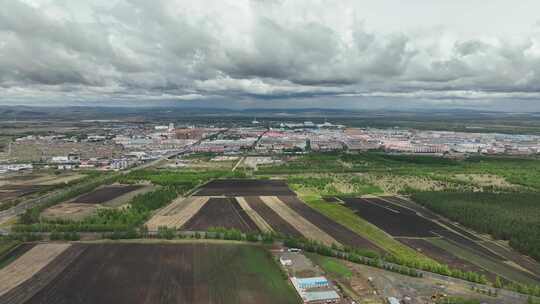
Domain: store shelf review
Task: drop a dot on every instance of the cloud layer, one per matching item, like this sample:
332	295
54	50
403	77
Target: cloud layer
234	50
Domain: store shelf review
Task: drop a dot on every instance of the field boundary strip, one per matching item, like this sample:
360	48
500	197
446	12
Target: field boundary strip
306	228
28	265
183	209
257	219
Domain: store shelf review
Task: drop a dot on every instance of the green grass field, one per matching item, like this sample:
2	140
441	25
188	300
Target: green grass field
349	219
252	267
331	266
5	247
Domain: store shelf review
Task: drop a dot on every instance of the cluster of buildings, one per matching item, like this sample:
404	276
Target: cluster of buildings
338	138
123	145
229	141
311	289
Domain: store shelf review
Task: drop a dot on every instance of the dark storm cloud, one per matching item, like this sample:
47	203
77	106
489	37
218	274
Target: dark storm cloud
263	50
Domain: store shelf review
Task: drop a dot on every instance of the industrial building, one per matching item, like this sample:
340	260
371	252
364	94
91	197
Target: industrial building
315	290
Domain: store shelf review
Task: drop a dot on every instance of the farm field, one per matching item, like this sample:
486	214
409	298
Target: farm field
176	214
244	187
301	224
169	273
31	285
277	223
445	257
334	229
405	221
28	265
505	216
105	194
496	266
398	222
430	215
221	212
10	192
11	250
69	211
255	217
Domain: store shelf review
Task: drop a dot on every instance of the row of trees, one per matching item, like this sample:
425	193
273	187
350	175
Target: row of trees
130	217
32	215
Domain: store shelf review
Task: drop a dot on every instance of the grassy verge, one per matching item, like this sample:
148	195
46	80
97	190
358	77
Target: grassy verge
5	247
349	219
331	266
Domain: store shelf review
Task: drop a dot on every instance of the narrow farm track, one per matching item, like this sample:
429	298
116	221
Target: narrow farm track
177	214
220	212
277	223
339	232
257	219
301	224
28	265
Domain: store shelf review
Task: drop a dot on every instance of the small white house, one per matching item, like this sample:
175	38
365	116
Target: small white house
285	261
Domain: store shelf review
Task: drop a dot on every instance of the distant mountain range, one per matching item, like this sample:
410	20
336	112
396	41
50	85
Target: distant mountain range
8	113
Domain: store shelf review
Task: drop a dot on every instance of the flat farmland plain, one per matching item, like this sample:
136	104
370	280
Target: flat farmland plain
244	187
336	230
445	257
106	193
277	223
398	222
197	273
221	212
440	239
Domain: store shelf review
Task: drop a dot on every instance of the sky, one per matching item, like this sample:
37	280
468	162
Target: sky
394	54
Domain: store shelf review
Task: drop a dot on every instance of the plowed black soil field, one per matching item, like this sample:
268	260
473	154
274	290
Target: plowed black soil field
29	288
445	257
169	273
392	220
221	212
431	215
271	217
105	194
245	187
13	191
465	242
11	255
335	230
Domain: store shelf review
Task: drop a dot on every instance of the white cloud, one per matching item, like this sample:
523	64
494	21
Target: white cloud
191	50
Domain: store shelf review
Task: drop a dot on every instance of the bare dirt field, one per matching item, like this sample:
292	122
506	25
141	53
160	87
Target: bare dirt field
14	253
245	187
177	213
301	224
69	211
8	192
455	246
105	193
277	223
24	291
221	212
127	197
429	214
197	273
393	220
336	230
445	257
255	217
28	264
420	290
